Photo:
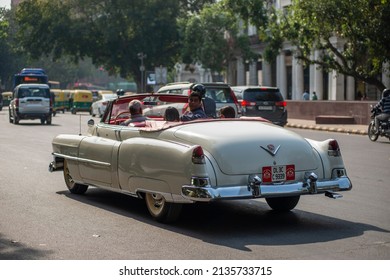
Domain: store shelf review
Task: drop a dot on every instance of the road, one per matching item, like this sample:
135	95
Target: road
41	220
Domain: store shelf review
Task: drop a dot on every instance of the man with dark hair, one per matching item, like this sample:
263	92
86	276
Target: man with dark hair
227	112
195	108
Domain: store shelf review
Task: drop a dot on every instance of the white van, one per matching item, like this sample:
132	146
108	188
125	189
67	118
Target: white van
31	101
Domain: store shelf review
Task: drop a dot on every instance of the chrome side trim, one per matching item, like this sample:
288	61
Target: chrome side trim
209	193
82	159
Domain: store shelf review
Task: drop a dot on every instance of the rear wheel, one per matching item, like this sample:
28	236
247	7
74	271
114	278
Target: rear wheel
72	185
48	120
16	119
161	210
372	133
283	203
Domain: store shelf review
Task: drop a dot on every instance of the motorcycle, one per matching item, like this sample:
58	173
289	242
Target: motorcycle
384	126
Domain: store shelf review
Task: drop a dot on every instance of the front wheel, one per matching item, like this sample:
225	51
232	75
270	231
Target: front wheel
72	185
283	203
161	210
372	133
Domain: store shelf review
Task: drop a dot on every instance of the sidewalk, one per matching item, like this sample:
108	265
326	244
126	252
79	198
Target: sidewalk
342	128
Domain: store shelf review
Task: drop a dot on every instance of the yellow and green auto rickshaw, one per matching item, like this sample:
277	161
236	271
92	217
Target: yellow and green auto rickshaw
59	101
68	95
80	101
7	96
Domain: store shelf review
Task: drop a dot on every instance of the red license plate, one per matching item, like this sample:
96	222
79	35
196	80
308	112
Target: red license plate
278	173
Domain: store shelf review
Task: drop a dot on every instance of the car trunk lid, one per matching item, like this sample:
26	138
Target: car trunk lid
245	147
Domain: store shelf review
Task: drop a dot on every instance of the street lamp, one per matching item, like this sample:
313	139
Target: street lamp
141	56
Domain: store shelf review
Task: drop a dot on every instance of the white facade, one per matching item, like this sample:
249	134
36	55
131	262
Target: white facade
292	78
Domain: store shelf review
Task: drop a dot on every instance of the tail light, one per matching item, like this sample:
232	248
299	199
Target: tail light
245	103
281	103
333	148
16	102
198	156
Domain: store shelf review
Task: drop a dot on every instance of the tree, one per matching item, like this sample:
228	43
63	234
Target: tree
212	38
111	32
361	26
10	61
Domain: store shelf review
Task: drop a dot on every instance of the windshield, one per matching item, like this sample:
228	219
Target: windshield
34	92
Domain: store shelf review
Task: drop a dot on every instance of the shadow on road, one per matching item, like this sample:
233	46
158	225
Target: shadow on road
235	224
13	250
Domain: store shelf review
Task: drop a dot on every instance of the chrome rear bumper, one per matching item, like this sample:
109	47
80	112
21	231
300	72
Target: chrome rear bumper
208	193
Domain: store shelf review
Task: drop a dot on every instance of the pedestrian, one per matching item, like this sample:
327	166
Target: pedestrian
306	95
314	97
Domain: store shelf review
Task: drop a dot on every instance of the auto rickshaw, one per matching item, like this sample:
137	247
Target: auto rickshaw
68	95
7	96
59	101
80	101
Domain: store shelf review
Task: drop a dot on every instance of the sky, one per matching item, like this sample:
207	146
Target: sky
5	3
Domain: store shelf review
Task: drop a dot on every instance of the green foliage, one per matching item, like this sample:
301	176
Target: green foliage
111	32
212	38
251	11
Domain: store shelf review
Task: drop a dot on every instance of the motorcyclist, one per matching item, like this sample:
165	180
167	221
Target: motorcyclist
384	106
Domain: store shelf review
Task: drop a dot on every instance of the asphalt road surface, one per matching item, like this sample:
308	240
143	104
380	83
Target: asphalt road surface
41	220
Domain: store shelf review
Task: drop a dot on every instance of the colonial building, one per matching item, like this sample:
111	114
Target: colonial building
293	78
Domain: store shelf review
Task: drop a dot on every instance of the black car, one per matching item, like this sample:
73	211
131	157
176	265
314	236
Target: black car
265	102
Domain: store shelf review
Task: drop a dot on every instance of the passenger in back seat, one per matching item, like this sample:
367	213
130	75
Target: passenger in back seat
135	109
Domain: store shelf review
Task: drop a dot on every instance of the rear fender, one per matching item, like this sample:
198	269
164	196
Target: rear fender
142	160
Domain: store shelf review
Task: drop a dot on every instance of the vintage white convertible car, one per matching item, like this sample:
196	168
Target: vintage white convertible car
172	163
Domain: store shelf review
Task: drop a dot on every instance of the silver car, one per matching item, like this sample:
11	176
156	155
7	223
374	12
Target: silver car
31	101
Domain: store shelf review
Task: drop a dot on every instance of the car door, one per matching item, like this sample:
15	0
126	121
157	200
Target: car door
98	156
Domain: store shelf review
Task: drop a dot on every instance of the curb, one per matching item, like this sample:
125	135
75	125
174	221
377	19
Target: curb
326	128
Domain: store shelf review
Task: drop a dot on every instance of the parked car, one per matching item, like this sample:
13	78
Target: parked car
260	101
31	101
221	93
98	107
169	164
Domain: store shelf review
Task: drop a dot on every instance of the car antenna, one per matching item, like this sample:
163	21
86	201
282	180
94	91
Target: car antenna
80	126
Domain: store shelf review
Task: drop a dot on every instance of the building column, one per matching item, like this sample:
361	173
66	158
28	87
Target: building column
281	74
318	80
297	79
253	73
266	72
350	88
336	86
240	72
